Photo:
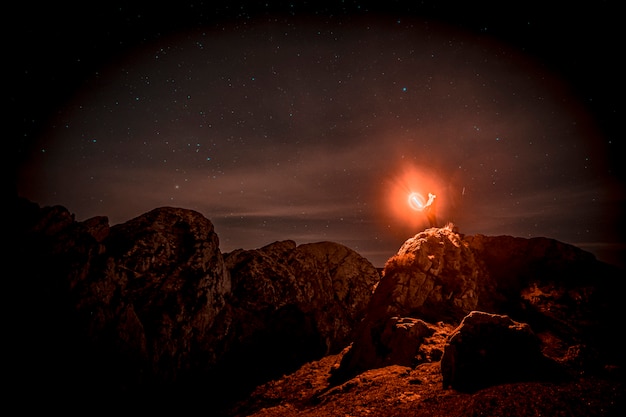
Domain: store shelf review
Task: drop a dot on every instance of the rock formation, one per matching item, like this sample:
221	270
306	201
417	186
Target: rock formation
152	312
290	304
562	292
490	349
152	303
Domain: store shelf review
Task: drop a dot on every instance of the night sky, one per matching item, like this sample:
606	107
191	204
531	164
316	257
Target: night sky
312	122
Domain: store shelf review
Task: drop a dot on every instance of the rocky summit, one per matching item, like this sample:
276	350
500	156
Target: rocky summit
152	306
150	316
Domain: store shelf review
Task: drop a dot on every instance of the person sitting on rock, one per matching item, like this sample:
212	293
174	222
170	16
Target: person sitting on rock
429	209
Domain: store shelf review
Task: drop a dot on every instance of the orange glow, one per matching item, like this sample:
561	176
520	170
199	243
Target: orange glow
404	200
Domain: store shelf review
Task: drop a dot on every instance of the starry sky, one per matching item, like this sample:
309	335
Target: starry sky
316	122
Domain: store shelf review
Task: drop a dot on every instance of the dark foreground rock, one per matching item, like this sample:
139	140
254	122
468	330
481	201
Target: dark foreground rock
151	312
289	304
490	349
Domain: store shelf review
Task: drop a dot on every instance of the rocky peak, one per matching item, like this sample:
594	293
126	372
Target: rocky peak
434	275
326	281
166	241
441	276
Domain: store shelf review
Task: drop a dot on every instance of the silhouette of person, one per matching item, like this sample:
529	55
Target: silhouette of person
429	209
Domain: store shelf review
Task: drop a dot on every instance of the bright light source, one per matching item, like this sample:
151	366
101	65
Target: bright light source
416	201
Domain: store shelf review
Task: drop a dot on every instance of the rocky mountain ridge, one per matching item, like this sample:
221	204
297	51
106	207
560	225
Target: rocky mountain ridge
151	313
152	305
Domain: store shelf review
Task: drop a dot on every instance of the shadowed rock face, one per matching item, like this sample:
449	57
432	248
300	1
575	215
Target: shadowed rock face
325	281
290	304
489	349
152	302
126	305
166	282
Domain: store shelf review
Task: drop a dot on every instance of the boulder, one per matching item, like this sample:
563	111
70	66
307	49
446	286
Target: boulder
401	339
434	277
490	349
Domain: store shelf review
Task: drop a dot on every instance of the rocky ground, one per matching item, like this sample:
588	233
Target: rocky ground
399	391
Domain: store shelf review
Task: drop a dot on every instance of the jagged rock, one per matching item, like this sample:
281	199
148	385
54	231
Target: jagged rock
293	303
98	227
134	302
434	276
402	338
490	349
165	277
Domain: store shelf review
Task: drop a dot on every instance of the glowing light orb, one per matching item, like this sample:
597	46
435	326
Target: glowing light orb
416	201
403	203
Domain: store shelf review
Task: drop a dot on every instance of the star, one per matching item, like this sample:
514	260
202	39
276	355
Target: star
294	121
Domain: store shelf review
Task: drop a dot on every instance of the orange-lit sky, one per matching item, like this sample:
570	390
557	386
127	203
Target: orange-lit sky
316	122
